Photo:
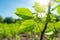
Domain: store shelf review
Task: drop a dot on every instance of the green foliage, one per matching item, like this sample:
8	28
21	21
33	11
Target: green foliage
36	18
39	27
57	18
57	24
27	26
38	8
1	19
31	22
58	0
58	9
53	17
50	27
8	20
24	13
48	19
8	30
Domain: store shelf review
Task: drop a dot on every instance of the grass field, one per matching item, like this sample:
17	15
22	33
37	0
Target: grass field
8	30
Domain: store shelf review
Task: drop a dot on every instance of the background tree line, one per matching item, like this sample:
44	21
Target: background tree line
9	20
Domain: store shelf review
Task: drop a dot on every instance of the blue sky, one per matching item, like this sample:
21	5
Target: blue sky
8	7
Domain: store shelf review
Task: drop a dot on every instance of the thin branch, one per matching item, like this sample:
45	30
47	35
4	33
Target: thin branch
36	23
42	33
45	27
49	6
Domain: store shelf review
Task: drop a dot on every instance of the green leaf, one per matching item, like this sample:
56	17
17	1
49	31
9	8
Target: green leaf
38	8
58	0
57	24
27	26
23	13
36	18
39	27
50	27
51	37
54	8
48	18
58	9
44	19
53	17
49	33
52	3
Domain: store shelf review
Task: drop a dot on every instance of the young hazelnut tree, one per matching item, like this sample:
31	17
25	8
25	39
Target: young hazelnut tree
42	21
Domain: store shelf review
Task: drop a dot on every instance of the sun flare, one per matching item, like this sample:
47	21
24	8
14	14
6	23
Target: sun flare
42	2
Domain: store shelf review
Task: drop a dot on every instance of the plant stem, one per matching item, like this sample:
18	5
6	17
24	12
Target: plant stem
42	33
49	6
45	27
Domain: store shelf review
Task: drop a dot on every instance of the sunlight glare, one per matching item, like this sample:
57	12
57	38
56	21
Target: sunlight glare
42	2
